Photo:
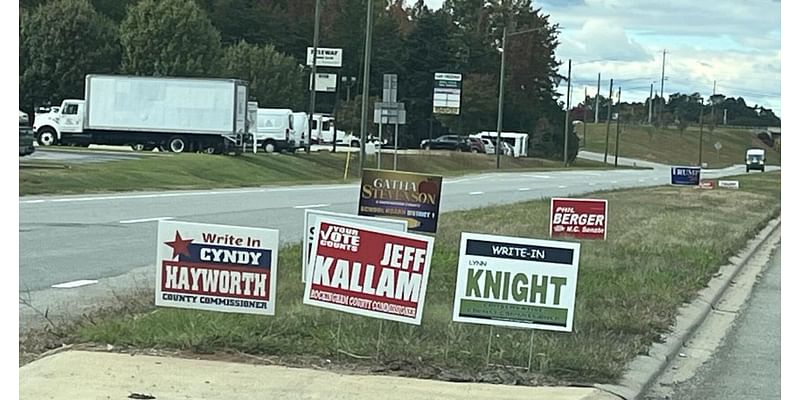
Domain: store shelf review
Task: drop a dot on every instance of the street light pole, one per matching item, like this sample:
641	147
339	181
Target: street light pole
365	88
498	148
566	115
313	76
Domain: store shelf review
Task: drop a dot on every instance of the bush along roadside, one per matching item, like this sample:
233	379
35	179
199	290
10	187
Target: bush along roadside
663	245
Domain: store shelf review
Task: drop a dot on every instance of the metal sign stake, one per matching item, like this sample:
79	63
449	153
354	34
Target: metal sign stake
530	351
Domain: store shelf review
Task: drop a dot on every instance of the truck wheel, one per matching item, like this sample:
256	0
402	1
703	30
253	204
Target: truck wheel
138	147
269	146
47	137
176	144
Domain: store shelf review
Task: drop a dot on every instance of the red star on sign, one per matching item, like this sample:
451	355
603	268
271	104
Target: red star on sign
179	245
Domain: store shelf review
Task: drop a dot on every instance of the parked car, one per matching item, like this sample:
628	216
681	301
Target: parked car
476	145
446	142
26	137
488	146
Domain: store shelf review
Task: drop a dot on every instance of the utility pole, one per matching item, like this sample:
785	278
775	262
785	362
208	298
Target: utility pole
700	162
713	103
585	111
313	77
566	115
597	101
661	106
498	147
365	88
619	117
650	110
608	121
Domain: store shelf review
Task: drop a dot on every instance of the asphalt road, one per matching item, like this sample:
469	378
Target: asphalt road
748	365
70	238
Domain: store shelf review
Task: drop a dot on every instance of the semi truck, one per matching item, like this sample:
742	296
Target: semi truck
169	113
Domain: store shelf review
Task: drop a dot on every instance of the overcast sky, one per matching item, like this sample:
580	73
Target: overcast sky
735	42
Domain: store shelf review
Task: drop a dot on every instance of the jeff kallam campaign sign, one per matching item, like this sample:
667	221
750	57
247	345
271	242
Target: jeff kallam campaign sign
311	222
216	267
364	270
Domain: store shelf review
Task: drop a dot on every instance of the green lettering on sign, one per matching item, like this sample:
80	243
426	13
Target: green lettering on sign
513	312
473	288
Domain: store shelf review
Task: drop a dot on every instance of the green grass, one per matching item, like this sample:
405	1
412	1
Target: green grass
664	244
669	146
201	171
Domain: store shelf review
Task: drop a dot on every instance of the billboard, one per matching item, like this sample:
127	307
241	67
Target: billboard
446	93
374	272
312	216
401	195
516	282
578	218
685	176
324	83
216	267
326	57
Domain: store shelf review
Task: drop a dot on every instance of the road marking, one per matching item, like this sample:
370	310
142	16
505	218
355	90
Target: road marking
614	181
524	189
181	194
641	180
136	221
562	187
592	183
313	206
541	176
74	284
474	193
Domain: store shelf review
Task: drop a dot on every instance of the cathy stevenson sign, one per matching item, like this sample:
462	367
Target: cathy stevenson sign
312	216
216	267
369	271
578	218
401	195
686	176
516	282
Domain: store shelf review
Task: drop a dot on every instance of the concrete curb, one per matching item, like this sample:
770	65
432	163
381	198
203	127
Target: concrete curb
644	370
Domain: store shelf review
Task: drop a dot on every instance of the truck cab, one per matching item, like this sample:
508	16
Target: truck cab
62	124
755	158
25	135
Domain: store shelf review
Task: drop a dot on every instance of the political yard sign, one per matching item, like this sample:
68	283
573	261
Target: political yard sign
310	230
401	195
578	218
516	282
364	270
686	176
216	267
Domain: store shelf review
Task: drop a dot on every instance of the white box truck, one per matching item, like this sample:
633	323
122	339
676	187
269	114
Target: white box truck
169	113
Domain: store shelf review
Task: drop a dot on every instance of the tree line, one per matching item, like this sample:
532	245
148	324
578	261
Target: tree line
680	110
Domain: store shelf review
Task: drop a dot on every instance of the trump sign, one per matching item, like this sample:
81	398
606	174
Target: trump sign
216	267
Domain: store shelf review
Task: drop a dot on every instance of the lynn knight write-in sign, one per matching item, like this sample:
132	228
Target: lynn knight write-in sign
401	195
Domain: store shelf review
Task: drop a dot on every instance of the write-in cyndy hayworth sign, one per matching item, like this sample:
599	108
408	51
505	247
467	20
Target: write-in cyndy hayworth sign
516	282
364	270
401	195
216	267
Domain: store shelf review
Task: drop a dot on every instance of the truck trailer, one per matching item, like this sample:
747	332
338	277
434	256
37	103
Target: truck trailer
169	113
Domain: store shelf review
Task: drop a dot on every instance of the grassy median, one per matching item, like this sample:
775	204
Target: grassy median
201	171
664	244
669	146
